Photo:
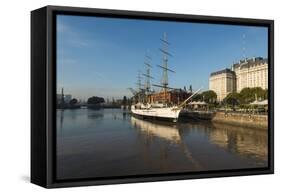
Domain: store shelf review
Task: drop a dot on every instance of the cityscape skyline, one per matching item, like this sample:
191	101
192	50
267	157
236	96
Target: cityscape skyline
83	44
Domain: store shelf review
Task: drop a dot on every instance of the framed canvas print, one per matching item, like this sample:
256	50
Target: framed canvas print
126	96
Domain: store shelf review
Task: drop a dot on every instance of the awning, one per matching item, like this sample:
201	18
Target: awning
197	103
263	103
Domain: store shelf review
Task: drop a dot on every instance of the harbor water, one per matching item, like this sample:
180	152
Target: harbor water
111	142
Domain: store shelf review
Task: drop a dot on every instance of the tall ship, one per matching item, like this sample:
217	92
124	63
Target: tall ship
145	105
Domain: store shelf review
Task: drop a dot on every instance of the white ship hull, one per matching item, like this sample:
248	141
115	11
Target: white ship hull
168	113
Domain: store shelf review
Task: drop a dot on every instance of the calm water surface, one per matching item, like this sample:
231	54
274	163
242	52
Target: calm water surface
110	142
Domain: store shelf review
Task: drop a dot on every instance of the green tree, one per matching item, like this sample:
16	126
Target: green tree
246	96
198	97
233	99
95	100
265	94
258	92
249	95
73	101
209	96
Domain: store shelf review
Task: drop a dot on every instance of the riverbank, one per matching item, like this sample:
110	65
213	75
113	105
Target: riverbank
241	119
231	118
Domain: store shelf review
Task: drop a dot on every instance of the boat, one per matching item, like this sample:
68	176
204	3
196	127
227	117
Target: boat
163	110
166	113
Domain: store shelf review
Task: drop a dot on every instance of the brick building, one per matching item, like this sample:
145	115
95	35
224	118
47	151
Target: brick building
175	96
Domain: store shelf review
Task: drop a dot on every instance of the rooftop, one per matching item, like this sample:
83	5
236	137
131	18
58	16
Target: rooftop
250	61
227	70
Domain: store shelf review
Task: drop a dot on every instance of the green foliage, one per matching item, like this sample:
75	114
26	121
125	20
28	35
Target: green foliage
211	106
198	97
232	99
95	100
209	96
265	94
73	101
249	95
245	106
242	99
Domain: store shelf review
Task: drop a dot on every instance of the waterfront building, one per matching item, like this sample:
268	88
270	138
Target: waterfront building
247	73
222	82
174	96
251	73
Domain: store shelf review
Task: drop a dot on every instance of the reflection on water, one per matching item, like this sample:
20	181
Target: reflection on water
167	132
109	142
247	142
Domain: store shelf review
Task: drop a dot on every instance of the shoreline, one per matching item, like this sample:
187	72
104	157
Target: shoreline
242	119
249	120
231	118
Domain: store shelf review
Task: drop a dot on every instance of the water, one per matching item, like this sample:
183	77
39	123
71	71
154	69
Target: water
110	142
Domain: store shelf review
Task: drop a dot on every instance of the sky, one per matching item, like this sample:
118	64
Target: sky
99	56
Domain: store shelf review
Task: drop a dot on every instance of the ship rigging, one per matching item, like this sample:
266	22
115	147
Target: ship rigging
164	110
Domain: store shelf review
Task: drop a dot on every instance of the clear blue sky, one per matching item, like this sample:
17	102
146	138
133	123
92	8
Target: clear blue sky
101	56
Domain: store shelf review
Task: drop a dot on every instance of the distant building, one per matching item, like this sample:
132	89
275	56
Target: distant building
251	73
247	73
67	98
175	96
222	82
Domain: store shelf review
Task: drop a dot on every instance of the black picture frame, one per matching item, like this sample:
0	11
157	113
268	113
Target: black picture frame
43	94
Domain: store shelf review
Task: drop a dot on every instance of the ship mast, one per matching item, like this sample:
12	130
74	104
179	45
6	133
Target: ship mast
147	74
164	66
139	85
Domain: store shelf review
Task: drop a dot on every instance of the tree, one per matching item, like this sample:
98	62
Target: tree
198	97
233	99
265	94
209	96
249	95
258	93
73	101
95	100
